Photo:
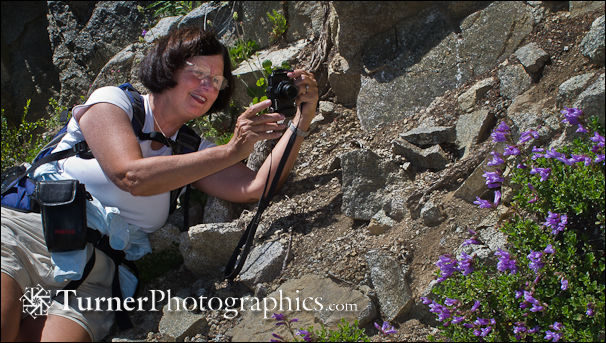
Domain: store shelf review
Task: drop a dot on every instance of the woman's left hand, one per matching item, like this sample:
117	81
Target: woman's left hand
308	92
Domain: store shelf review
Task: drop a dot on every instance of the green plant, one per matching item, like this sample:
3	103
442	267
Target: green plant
242	51
345	332
210	131
22	142
279	24
548	283
172	8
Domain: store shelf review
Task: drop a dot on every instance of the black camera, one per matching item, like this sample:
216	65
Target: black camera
282	92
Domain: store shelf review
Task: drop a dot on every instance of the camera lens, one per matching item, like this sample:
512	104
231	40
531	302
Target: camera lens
287	90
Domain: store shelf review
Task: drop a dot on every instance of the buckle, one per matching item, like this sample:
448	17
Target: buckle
80	147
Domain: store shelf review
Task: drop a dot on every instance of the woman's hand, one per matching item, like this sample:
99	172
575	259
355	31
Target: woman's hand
252	127
308	92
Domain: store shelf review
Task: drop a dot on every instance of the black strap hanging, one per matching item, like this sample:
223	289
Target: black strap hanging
238	257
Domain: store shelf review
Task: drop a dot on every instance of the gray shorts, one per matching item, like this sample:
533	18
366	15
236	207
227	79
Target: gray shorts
26	259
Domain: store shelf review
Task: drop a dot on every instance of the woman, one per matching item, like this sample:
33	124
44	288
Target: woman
189	75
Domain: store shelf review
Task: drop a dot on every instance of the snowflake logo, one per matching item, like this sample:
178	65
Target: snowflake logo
36	301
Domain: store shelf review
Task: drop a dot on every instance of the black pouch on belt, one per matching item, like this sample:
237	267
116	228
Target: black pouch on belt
63	208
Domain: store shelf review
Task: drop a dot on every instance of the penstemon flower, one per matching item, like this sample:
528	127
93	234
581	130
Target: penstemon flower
511	150
447	266
557	222
505	262
535	261
543	172
571	115
500	133
496	159
493	179
386	329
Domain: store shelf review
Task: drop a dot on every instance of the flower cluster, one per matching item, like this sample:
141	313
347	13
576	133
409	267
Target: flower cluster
501	133
505	262
385	329
557	222
545	278
448	265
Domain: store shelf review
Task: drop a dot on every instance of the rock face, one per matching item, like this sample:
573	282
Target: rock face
27	69
409	66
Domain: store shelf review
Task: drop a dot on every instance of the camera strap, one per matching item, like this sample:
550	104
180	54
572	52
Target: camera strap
238	257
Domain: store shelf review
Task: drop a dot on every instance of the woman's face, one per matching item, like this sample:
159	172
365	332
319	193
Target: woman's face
197	84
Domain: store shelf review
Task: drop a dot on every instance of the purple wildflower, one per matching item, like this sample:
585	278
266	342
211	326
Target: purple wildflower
598	159
557	222
457	319
481	321
306	335
552	153
535	261
500	133
518	294
582	129
496	159
471	241
279	316
511	150
279	338
519	327
537	153
553	336
493	179
426	300
143	33
528	135
505	262
476	306
534	329
485	331
386	329
537	308
543	172
451	302
487	204
465	265
447	267
564	284
549	249
571	115
589	311
482	203
597	138
442	311
556	326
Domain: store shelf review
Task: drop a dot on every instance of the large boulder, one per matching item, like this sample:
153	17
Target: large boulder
406	68
83	42
27	68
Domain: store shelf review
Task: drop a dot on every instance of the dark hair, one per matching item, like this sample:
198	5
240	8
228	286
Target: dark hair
158	68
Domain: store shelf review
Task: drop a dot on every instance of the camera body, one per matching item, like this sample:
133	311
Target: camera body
282	92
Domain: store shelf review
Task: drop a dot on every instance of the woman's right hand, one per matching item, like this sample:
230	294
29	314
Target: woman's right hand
252	127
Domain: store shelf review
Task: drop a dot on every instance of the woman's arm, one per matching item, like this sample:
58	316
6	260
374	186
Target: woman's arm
240	184
109	134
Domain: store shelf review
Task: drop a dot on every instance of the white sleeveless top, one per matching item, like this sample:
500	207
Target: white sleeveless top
147	212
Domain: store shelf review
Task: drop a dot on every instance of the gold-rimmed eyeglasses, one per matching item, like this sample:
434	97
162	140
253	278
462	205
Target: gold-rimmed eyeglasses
219	82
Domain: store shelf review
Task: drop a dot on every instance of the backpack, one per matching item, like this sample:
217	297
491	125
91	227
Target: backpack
18	187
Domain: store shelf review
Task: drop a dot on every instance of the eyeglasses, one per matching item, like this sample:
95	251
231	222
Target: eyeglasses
219	82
